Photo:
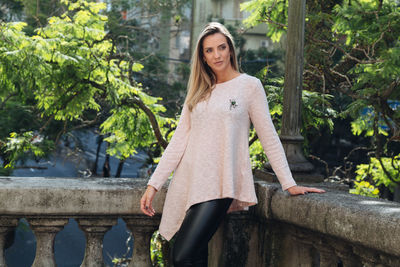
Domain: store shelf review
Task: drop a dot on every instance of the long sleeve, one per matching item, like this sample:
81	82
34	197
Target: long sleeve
261	119
174	151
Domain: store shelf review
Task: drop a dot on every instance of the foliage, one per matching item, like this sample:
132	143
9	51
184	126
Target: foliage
10	9
69	72
156	245
129	129
17	145
354	45
273	12
379	172
34	13
316	108
316	113
257	155
375	76
254	61
364	124
141	29
364	188
351	52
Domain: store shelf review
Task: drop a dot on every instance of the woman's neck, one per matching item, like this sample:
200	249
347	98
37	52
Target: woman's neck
227	75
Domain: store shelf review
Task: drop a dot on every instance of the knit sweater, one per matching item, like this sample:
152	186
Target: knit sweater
209	151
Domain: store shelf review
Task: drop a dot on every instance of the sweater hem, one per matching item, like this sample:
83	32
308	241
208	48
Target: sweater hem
238	204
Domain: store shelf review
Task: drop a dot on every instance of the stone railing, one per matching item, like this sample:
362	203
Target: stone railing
332	229
96	204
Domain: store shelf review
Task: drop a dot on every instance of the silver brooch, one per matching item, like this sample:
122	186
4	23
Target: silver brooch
233	103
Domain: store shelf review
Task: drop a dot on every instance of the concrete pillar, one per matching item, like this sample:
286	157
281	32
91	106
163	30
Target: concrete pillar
368	257
6	225
291	118
346	255
302	251
327	257
45	231
327	254
95	230
142	228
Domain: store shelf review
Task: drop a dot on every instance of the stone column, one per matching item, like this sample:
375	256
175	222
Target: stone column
142	228
304	247
45	230
327	257
95	230
6	225
368	257
345	253
291	118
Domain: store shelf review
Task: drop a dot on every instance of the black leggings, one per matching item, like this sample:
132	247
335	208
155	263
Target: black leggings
199	225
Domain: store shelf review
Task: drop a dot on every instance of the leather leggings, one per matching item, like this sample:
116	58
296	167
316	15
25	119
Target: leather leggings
199	225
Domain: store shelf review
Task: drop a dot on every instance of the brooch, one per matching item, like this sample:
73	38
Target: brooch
233	103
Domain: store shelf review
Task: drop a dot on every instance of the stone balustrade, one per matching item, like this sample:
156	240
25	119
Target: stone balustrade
332	229
327	230
96	204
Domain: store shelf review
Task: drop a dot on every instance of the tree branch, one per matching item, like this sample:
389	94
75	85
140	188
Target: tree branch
152	118
343	76
370	61
252	140
6	99
386	171
138	102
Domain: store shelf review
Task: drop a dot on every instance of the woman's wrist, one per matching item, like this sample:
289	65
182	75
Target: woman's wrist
290	187
152	187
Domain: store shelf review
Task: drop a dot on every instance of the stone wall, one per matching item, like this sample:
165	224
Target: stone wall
331	229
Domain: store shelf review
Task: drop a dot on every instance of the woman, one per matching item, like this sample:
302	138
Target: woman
209	151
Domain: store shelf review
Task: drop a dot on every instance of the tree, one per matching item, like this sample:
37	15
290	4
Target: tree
351	52
69	73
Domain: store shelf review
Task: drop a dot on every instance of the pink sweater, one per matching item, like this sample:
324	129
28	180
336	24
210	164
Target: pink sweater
209	152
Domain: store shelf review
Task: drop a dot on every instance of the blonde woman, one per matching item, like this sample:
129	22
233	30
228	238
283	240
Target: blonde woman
209	151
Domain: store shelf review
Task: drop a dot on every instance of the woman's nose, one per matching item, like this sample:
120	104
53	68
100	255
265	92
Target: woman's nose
216	54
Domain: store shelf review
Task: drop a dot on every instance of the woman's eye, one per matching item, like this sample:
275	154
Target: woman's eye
208	50
223	47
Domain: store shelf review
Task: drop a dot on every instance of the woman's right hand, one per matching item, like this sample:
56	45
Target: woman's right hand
146	201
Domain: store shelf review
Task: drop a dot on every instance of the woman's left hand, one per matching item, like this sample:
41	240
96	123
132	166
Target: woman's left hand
302	190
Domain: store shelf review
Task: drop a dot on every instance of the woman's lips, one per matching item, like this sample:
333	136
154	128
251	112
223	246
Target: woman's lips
218	63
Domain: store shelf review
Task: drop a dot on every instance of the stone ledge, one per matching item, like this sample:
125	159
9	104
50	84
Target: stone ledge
30	196
361	220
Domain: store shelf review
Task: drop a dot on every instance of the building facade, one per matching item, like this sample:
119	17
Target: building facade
204	11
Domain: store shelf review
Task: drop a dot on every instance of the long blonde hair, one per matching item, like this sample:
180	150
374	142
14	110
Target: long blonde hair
202	79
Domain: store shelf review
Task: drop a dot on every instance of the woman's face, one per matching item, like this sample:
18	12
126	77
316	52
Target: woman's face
216	52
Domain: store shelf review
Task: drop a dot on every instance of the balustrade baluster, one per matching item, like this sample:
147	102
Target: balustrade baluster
369	258
6	225
45	230
304	246
142	228
327	257
345	253
95	230
388	260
